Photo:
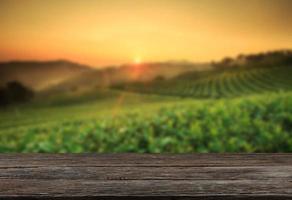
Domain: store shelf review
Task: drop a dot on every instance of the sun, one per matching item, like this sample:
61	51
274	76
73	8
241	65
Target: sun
137	61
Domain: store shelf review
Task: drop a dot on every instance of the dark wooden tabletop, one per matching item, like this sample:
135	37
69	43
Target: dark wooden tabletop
146	176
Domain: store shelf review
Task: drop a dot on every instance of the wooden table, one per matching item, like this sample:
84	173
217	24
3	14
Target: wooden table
146	176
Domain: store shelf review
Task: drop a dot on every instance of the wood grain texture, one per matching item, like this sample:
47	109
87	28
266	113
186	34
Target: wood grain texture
146	176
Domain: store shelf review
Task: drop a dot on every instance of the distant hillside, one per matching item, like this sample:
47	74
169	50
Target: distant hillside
246	74
266	59
40	75
126	73
231	76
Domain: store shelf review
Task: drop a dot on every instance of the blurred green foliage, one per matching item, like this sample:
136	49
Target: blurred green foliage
248	124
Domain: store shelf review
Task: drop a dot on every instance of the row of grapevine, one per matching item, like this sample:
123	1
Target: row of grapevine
222	84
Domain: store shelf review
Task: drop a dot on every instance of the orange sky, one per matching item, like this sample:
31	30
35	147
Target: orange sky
105	32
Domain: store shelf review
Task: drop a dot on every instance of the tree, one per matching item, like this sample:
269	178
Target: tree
15	92
3	99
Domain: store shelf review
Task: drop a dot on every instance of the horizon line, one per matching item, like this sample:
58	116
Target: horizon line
144	62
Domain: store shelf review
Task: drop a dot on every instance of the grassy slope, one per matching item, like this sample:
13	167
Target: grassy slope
64	108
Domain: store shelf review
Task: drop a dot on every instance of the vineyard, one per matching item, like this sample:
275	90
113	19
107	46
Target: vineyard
220	83
233	109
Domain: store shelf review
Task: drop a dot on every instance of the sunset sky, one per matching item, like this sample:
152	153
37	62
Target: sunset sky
107	32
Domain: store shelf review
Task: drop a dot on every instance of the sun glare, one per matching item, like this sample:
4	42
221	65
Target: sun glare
137	61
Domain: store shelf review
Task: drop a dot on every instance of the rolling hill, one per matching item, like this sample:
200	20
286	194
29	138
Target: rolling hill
107	77
40	75
248	74
65	76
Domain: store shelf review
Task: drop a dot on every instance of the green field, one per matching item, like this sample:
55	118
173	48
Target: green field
224	110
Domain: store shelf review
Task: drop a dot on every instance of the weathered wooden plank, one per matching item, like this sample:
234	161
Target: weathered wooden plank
194	176
144	187
138	160
149	173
